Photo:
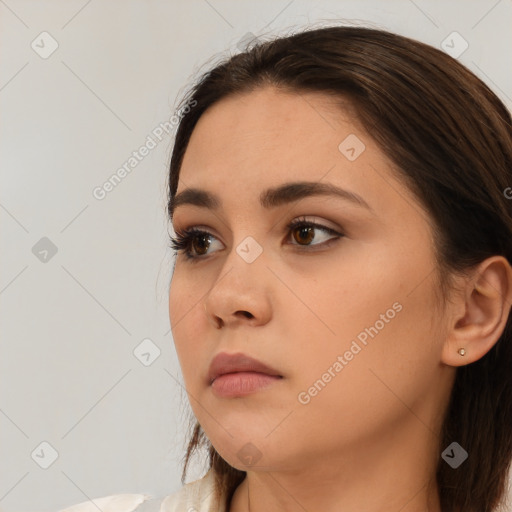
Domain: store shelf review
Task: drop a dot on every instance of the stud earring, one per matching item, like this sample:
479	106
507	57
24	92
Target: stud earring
462	351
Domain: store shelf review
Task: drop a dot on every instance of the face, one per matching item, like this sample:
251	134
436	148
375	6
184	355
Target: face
343	310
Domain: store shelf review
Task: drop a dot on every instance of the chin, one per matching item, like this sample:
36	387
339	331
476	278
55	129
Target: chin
247	453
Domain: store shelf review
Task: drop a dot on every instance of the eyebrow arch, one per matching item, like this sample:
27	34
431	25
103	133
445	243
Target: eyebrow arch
270	198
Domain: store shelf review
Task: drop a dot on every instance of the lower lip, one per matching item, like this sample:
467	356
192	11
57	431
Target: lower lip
242	383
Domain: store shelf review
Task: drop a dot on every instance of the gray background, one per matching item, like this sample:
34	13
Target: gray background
72	320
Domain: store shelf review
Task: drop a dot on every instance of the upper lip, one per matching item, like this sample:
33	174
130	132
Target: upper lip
230	363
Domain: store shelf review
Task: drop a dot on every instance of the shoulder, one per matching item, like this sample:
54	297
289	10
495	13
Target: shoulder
114	503
198	496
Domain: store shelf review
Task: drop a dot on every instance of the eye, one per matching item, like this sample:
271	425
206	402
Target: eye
191	240
306	231
194	242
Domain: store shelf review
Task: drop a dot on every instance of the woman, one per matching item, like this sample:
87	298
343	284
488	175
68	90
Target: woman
342	286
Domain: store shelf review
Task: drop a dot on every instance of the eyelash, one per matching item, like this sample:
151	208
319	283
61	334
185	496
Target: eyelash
182	241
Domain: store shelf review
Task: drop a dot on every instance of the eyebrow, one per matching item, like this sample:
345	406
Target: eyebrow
270	198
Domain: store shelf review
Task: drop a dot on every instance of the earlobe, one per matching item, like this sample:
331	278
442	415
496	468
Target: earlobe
484	309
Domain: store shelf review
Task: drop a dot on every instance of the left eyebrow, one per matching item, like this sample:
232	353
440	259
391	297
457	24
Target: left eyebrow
272	197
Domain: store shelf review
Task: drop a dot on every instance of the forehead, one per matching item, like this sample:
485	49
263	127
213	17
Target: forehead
253	141
274	121
269	131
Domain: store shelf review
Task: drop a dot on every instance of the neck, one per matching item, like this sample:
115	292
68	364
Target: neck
374	477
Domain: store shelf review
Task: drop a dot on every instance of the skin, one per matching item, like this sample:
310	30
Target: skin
368	439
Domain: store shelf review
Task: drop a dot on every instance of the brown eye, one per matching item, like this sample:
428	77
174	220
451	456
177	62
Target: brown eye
200	244
194	243
305	234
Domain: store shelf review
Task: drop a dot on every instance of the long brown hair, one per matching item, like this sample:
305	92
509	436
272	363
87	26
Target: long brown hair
450	138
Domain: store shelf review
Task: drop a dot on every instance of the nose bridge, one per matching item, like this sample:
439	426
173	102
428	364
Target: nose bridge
241	284
249	235
244	265
249	249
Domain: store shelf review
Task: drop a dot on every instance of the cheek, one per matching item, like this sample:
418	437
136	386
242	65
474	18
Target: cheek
376	312
376	382
186	319
185	295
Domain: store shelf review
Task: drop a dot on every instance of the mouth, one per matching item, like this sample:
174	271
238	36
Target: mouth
237	384
232	375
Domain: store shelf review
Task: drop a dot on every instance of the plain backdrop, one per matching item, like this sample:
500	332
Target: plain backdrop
91	400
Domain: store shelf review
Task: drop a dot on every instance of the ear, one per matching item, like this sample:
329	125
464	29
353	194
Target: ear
480	312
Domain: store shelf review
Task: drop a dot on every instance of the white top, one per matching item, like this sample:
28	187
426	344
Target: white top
197	496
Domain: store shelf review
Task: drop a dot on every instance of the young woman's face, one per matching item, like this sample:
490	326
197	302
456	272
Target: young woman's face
347	321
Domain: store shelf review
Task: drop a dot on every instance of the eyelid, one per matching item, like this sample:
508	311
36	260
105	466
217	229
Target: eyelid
302	219
320	224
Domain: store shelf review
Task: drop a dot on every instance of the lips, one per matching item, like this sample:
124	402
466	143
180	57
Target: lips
233	363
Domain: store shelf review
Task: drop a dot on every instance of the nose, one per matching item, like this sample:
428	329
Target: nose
218	322
242	294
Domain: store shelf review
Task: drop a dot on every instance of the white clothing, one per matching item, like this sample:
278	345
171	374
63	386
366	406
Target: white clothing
197	496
